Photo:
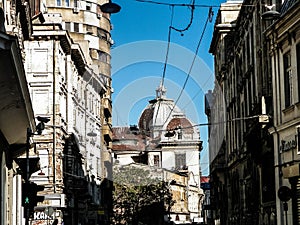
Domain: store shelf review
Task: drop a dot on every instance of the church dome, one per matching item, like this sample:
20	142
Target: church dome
162	114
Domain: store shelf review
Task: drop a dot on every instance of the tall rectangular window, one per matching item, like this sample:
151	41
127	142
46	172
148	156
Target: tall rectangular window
156	160
34	7
88	6
288	76
89	29
180	161
58	2
102	56
76	27
41	54
68	26
40	100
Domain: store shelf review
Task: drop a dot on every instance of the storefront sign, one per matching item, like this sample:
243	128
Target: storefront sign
48	214
288	145
42	216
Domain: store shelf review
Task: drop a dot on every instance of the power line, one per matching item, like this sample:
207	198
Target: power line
166	59
168	46
191	19
219	122
199	91
178	4
195	5
209	19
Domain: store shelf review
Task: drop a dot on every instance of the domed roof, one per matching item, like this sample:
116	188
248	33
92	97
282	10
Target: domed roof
162	114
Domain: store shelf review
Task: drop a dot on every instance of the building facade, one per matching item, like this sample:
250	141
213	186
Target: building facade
68	72
16	113
242	163
66	91
283	38
90	27
55	66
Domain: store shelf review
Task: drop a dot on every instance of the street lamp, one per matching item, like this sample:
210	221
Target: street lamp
270	15
110	7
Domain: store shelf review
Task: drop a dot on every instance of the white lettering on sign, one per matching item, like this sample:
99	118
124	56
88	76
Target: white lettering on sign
42	216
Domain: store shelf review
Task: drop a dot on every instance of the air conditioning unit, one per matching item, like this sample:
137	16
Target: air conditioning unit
76	10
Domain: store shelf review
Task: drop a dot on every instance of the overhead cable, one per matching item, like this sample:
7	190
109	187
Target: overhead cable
218	122
195	5
171	27
209	19
166	59
177	4
191	19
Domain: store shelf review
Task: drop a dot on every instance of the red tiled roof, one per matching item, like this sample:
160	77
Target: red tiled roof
183	122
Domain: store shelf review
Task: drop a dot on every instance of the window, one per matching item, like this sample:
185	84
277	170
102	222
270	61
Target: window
156	160
44	161
102	56
180	161
179	135
42	55
288	76
88	6
67	3
101	34
35	7
76	27
58	2
89	29
40	100
67	26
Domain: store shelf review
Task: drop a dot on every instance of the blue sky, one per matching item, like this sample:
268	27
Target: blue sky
140	33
